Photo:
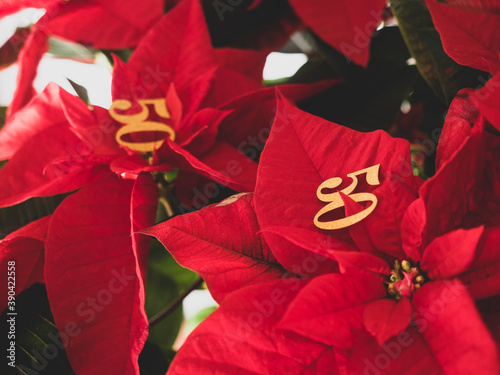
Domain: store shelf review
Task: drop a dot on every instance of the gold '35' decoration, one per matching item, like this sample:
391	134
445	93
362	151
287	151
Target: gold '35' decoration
335	201
137	123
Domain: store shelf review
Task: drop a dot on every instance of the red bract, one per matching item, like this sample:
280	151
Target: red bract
406	298
227	256
26	248
94	276
347	26
465	42
115	24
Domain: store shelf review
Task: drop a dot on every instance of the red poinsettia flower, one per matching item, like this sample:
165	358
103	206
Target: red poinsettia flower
115	24
465	42
404	283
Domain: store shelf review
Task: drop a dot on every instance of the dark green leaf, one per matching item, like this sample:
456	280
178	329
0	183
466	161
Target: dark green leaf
153	360
443	75
39	349
368	99
80	91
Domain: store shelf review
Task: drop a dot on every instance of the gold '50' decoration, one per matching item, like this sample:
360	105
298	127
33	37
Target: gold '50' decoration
335	201
137	123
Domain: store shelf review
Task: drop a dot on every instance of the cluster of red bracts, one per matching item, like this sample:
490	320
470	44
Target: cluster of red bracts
334	259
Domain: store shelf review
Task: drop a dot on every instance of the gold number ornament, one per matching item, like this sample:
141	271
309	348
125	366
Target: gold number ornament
137	123
335	201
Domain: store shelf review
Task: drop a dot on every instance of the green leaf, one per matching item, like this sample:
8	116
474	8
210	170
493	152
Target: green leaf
442	74
69	50
3	115
161	289
39	349
80	91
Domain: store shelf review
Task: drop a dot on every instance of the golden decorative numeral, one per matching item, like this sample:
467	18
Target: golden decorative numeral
137	123
335	201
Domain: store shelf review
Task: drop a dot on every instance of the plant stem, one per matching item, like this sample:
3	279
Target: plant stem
175	303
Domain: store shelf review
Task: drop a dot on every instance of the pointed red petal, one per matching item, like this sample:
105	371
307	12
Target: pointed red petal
225	255
487	100
325	249
463	41
186	48
450	323
451	254
483	276
93	276
461	195
254	126
407	353
29	57
30	172
354	21
460	118
41	112
385	318
248	62
305	149
241	338
412	228
26	247
115	24
331	306
236	170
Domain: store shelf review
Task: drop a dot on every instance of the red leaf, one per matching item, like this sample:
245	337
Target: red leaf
331	306
240	338
327	248
30	173
463	41
115	24
305	149
254	126
482	278
43	111
460	118
412	228
226	255
223	156
487	100
29	57
450	323
93	277
25	246
407	353
186	50
385	318
461	195
354	22
451	254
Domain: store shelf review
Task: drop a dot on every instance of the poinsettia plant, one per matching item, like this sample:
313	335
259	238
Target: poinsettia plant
344	219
